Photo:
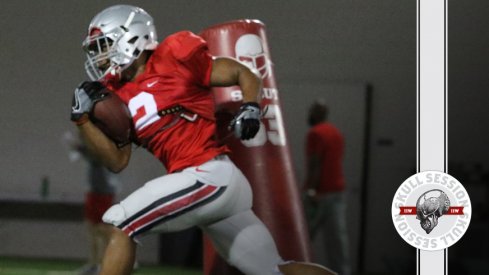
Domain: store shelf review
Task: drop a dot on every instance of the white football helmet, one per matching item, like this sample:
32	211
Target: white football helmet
116	37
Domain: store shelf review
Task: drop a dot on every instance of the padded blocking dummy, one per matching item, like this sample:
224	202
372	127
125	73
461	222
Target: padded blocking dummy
265	160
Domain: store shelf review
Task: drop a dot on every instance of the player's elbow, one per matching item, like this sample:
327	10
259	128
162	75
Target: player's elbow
247	74
117	167
119	161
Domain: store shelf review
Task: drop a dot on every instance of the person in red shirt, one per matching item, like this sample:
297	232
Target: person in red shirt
325	185
166	87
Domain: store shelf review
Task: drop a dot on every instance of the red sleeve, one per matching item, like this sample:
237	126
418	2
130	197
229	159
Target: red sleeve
192	52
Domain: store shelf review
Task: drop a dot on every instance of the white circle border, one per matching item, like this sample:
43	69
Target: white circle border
424	241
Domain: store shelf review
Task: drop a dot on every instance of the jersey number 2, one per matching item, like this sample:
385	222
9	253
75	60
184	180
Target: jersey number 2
143	109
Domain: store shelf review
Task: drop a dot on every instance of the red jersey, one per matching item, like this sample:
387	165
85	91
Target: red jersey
176	81
326	141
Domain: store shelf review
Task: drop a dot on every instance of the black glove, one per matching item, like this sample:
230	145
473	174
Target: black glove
84	97
247	122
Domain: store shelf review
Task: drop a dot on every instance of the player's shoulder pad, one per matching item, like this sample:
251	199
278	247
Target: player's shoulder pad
184	44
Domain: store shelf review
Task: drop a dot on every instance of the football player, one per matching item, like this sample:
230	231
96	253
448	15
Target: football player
166	87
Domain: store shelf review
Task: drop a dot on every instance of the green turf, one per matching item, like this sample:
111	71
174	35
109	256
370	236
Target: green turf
15	266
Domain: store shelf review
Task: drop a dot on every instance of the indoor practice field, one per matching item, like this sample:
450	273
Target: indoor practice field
16	266
400	87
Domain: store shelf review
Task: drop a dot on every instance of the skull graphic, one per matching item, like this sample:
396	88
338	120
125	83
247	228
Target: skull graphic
430	206
249	50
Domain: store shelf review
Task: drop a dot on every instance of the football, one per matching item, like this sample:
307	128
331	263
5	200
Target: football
113	118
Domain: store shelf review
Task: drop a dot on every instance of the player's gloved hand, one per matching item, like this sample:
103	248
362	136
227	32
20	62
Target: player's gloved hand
84	97
247	122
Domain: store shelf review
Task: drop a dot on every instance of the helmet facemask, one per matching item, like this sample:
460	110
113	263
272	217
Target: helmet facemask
102	57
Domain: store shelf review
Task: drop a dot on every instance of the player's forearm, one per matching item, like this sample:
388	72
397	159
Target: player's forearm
250	84
104	149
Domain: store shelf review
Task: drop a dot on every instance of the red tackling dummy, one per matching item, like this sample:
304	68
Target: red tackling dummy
265	160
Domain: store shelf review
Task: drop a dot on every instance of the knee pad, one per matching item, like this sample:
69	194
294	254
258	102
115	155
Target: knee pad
115	215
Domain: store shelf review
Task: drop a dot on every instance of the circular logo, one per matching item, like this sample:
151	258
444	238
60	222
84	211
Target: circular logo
431	210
